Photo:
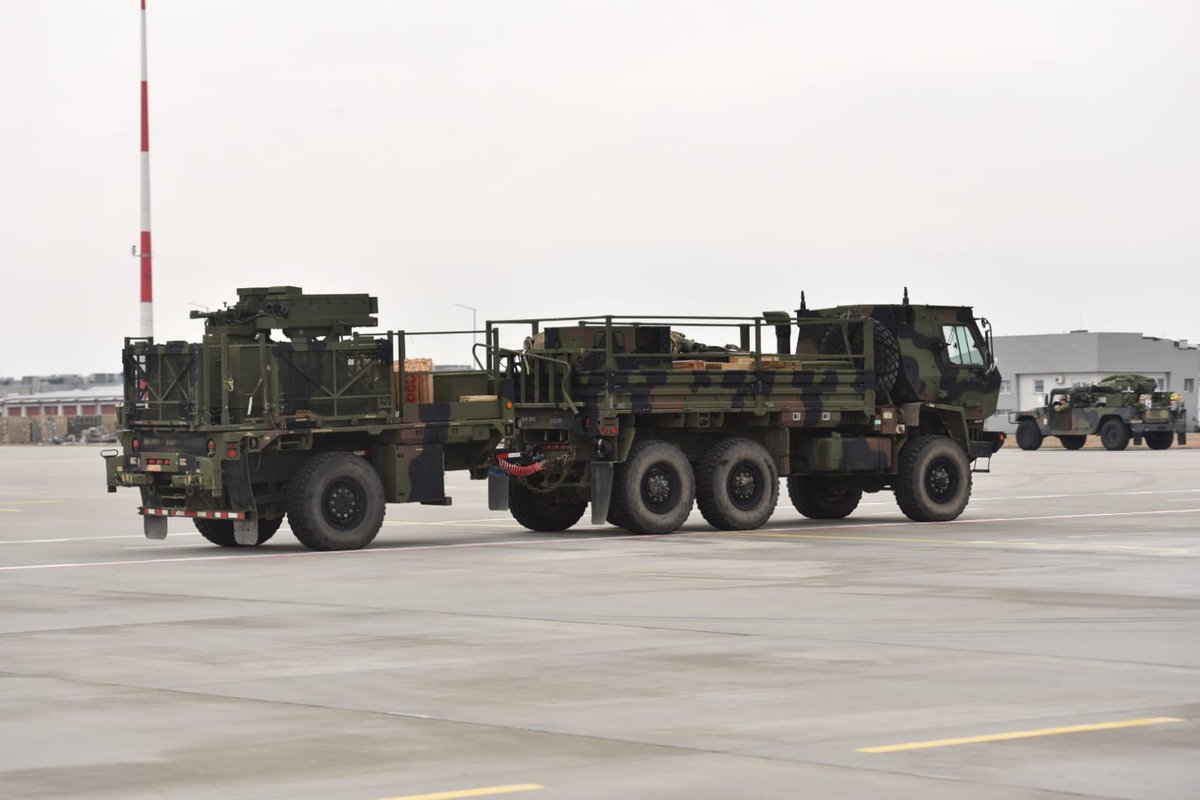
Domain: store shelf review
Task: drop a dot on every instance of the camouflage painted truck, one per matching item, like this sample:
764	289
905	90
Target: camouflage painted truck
1119	409
633	418
240	430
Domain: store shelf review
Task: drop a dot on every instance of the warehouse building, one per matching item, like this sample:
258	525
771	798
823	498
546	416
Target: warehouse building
62	415
1032	366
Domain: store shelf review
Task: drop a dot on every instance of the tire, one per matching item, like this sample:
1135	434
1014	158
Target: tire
1158	440
542	512
1114	434
335	502
934	480
817	497
220	531
654	489
1029	437
737	486
1073	442
887	350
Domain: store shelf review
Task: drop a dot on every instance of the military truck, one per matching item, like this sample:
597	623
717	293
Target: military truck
628	414
238	430
633	417
1120	408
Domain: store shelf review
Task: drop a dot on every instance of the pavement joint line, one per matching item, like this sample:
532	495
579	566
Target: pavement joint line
576	540
671	750
1130	548
1010	735
485	791
986	499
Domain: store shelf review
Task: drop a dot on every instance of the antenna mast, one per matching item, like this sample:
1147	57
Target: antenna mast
147	284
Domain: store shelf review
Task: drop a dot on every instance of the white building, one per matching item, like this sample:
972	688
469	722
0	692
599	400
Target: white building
1031	366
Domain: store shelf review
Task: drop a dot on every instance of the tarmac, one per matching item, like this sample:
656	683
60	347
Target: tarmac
1045	645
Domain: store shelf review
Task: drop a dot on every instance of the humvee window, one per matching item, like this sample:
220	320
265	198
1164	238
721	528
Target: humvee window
961	347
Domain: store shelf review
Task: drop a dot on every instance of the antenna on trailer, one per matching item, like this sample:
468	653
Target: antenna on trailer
147	283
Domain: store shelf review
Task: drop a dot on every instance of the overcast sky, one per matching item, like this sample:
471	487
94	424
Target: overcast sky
1037	160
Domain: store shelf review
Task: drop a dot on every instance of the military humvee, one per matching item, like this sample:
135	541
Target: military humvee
1119	408
239	430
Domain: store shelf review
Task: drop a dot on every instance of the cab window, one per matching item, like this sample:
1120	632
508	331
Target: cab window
961	347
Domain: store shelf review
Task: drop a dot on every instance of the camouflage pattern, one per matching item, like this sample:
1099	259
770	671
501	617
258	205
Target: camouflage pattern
583	391
222	425
1130	398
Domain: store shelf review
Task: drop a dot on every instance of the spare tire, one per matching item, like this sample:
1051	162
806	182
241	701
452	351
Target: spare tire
887	349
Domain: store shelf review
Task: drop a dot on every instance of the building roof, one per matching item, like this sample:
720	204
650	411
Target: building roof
96	394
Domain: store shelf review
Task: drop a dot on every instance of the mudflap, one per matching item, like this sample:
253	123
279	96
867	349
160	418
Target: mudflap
601	473
497	490
154	527
1182	436
245	532
241	498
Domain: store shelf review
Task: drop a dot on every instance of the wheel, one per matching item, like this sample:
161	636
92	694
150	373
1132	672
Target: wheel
335	502
1073	442
543	512
934	480
817	497
1158	440
1114	434
887	350
1029	437
220	531
737	486
654	489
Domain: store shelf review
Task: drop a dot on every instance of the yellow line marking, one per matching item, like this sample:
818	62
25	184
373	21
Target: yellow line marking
1000	737
485	791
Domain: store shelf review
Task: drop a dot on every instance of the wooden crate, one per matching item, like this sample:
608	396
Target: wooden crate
418	380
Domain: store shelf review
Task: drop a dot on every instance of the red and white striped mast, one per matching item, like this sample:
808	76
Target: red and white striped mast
147	293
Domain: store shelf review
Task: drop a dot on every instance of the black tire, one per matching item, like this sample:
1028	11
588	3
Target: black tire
737	486
1114	434
335	502
1158	440
1073	442
887	350
934	480
1029	437
653	489
220	531
818	497
542	512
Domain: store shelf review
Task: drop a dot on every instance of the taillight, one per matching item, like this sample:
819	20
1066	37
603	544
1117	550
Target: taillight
232	452
212	447
136	444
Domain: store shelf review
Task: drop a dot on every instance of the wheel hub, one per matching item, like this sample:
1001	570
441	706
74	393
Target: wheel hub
658	488
941	480
744	485
343	503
